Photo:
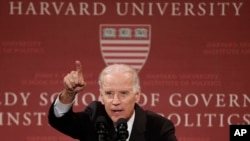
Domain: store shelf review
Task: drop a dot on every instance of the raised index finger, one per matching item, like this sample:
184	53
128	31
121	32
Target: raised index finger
78	67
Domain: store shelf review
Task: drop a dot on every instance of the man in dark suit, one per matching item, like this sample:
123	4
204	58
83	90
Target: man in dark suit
119	94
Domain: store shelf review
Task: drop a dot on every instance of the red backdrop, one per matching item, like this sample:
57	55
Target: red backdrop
192	58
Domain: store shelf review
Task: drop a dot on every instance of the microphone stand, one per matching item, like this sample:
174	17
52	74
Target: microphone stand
102	131
122	131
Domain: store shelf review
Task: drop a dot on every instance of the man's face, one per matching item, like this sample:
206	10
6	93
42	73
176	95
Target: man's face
118	95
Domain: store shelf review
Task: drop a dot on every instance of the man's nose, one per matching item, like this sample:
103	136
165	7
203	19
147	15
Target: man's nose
116	100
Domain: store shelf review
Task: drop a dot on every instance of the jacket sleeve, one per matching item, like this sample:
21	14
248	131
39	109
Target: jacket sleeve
160	128
74	124
168	131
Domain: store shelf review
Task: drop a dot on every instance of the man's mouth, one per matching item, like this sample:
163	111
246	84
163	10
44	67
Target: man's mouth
116	111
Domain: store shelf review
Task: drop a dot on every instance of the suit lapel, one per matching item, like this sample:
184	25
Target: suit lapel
139	125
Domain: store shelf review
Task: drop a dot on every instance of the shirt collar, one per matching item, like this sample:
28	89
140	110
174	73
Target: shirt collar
130	125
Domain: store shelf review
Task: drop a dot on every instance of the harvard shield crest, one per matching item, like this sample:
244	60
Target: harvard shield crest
126	44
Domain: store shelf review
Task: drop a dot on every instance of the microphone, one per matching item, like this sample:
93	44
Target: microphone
122	131
100	126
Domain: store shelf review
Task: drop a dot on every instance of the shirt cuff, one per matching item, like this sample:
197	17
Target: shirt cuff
60	109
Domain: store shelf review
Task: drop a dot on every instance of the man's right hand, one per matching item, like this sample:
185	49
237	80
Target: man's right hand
73	83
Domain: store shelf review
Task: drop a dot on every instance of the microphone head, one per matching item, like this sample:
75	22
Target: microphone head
122	122
100	122
122	129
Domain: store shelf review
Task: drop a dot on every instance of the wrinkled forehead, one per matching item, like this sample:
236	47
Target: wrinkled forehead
118	80
116	69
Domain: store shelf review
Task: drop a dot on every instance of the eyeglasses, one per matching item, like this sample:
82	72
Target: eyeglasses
119	94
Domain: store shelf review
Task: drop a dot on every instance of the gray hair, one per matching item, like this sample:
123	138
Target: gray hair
120	68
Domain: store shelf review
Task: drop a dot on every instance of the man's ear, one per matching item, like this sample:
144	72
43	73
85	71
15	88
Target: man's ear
137	96
101	97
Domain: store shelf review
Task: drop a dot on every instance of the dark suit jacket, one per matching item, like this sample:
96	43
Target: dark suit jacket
148	126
